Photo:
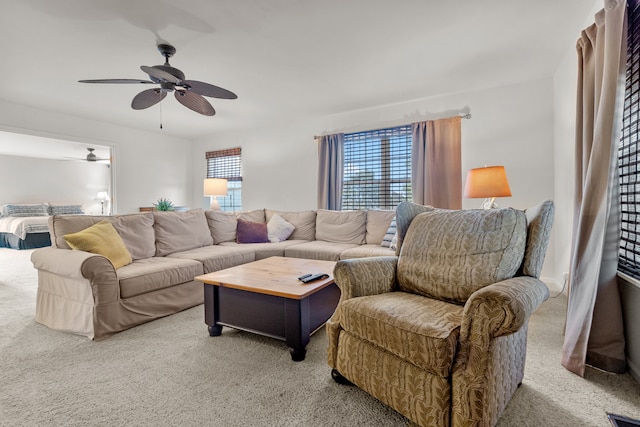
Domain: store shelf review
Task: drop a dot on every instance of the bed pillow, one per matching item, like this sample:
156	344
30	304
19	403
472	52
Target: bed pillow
103	239
278	229
26	210
66	210
252	232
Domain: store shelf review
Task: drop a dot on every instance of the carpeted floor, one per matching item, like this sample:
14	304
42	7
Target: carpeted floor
170	372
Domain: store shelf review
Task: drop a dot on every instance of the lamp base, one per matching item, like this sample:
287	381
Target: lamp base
215	205
490	203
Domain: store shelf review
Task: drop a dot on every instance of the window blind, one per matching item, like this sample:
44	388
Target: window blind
225	164
377	168
628	153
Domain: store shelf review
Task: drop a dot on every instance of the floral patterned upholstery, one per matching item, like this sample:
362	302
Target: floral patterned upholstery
443	355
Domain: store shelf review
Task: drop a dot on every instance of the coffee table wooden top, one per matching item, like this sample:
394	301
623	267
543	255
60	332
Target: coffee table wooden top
273	276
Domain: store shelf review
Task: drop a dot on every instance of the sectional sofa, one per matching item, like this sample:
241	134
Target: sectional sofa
84	293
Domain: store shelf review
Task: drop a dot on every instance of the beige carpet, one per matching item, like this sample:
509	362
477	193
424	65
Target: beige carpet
170	372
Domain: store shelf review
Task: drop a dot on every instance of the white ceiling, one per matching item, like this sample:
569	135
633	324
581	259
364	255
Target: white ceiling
283	58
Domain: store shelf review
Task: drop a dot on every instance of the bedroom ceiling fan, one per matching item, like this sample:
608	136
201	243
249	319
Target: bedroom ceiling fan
189	93
91	157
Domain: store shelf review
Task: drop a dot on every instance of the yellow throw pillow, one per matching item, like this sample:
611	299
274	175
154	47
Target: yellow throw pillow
103	239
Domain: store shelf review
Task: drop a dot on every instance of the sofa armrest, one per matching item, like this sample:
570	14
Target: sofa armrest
79	265
501	308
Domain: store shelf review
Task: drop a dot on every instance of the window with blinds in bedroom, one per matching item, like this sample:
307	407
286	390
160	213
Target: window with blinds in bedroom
227	164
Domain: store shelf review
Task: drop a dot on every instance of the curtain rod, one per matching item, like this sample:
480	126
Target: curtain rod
463	116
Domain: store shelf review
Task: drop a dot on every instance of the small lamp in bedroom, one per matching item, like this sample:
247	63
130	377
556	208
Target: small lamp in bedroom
488	182
102	197
214	187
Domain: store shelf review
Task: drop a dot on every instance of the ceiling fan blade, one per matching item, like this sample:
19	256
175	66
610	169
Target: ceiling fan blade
207	89
147	98
194	102
116	81
161	74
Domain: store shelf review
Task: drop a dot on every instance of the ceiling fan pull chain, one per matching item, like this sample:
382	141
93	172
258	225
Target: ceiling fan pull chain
160	116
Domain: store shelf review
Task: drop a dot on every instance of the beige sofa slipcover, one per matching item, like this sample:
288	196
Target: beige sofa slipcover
82	293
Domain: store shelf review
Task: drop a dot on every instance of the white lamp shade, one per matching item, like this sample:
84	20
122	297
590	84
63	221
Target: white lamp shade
102	196
215	187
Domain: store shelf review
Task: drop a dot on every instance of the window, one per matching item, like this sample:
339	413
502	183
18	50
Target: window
377	168
227	164
629	154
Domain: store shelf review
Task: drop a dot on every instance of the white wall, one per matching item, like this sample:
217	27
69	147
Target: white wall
511	126
32	180
146	165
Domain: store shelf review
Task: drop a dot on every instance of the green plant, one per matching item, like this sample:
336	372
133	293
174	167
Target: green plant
163	205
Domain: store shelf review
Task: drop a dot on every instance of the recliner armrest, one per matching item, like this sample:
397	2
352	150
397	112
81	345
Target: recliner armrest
365	276
501	308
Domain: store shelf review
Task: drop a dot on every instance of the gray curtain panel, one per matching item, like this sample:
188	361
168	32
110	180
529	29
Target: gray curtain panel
330	171
594	328
436	171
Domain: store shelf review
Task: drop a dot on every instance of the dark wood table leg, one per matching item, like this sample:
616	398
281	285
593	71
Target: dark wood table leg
211	310
297	327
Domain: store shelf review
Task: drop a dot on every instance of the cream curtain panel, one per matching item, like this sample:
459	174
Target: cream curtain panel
330	171
436	170
594	329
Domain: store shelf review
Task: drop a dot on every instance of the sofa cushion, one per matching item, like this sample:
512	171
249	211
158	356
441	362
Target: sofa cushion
365	251
451	254
180	231
223	225
318	249
136	231
216	257
425	331
304	223
265	250
251	232
152	274
378	222
103	239
278	229
341	226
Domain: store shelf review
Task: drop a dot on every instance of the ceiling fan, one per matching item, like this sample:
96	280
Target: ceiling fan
188	92
91	157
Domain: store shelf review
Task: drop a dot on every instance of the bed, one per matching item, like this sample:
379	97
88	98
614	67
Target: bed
26	226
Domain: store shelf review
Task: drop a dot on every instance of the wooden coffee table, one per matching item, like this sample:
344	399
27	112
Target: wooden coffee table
265	297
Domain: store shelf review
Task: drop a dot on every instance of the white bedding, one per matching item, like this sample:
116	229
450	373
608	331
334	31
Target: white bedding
21	225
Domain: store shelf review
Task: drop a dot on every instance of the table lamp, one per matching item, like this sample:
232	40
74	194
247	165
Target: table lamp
488	182
103	197
214	187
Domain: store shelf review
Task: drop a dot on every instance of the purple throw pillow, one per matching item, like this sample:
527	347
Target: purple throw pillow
252	232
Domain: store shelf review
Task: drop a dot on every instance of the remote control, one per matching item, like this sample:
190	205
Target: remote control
304	276
313	277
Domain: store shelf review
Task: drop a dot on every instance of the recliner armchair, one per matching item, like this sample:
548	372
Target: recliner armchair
439	332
